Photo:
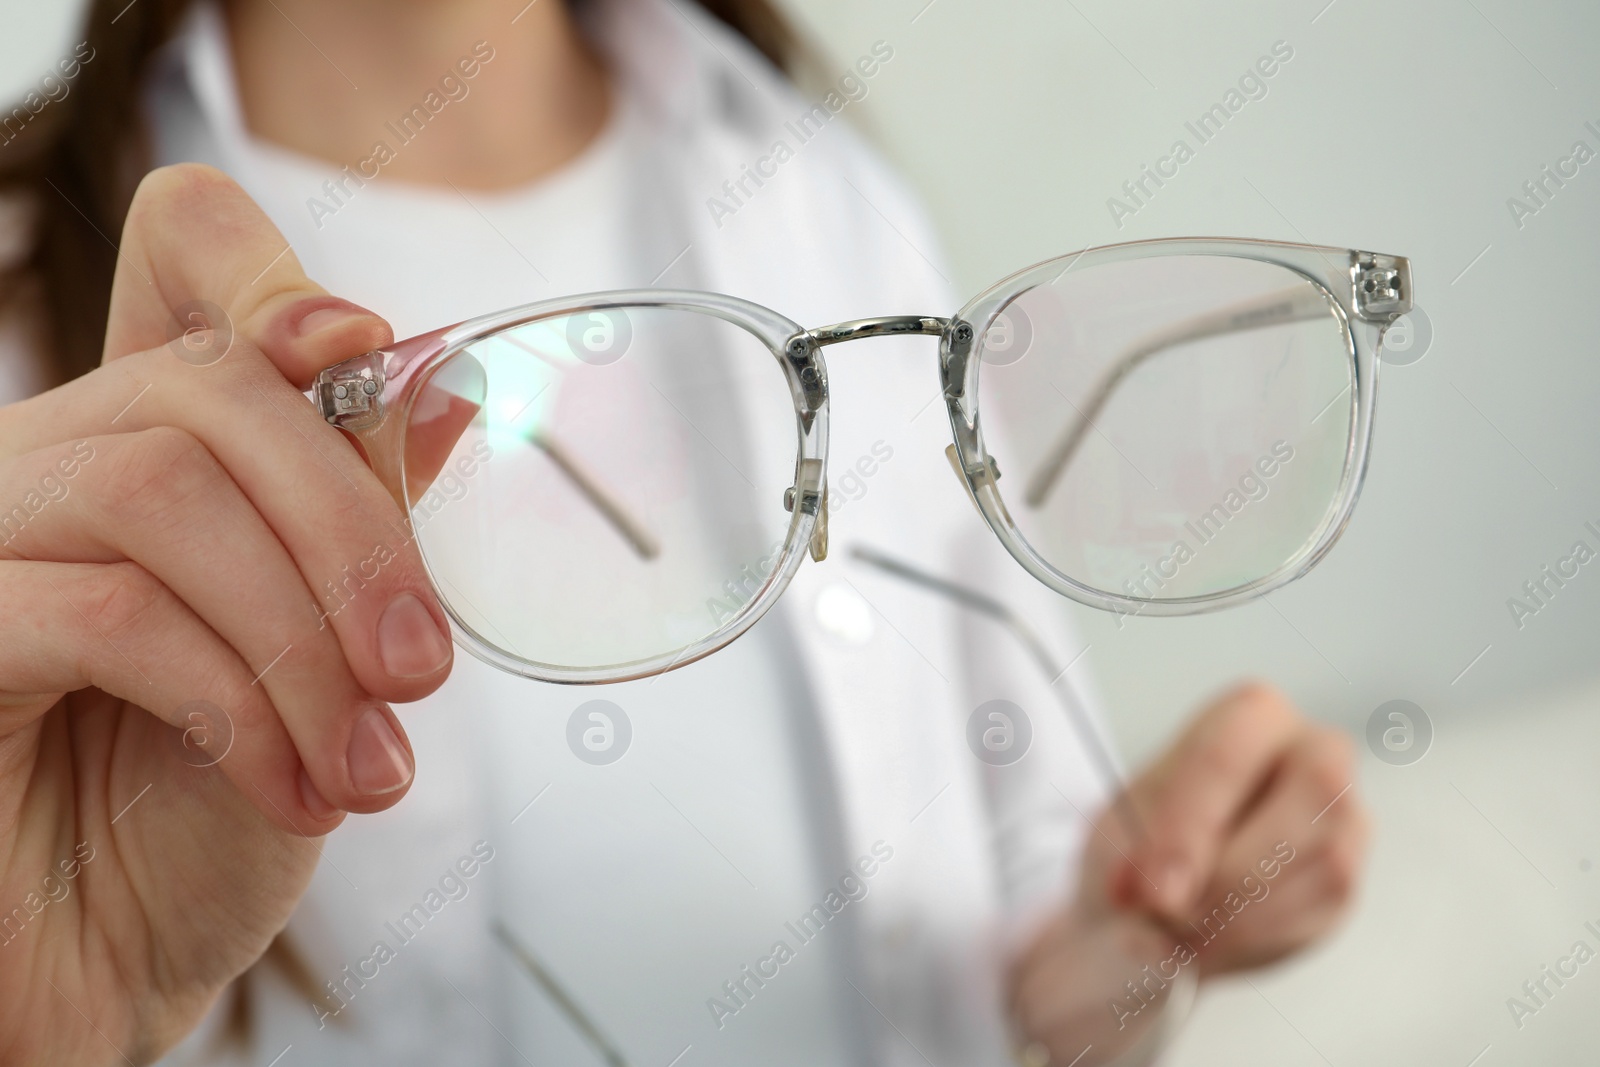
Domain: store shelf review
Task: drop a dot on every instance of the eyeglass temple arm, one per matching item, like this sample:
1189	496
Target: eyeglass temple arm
607	503
593	489
1297	304
1037	651
561	998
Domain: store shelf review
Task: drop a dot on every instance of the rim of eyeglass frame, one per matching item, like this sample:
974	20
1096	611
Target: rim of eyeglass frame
1367	292
372	395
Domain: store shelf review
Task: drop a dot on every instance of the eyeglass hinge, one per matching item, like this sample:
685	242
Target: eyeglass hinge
1382	286
350	394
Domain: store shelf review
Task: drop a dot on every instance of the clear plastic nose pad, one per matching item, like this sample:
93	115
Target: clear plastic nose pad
981	480
966	486
819	532
811	490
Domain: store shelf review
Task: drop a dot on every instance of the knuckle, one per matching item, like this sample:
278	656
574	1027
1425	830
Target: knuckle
376	548
173	189
249	709
249	364
303	660
1330	762
250	381
1229	734
123	599
1342	864
1362	826
1358	828
247	376
354	516
1256	705
156	471
1224	758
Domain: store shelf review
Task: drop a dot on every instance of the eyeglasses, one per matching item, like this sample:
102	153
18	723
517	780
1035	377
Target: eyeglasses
608	486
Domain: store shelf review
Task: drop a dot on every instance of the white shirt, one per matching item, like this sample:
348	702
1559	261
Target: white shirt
831	740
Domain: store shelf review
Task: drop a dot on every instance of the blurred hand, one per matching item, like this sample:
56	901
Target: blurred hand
168	533
1251	848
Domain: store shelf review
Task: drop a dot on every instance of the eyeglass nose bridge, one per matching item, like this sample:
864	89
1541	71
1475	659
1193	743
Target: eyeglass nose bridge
810	491
882	326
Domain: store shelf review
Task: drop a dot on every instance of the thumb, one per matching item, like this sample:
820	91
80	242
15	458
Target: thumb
198	254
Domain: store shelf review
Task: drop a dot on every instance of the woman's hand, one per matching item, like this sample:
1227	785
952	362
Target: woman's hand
205	599
1242	844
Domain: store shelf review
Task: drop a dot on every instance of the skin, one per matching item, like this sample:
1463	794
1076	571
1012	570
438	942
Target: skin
182	564
1249	781
541	100
188	558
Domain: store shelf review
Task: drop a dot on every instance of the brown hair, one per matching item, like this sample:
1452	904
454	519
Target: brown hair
77	163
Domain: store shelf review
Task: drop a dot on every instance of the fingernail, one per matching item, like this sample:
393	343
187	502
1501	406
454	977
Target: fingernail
379	762
313	799
409	640
317	314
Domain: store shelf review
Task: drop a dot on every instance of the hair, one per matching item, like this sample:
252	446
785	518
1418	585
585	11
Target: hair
75	166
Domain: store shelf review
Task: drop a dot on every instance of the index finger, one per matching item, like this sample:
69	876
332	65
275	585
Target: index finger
192	234
347	536
1200	788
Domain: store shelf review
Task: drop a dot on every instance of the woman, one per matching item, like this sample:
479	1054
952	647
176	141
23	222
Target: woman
523	903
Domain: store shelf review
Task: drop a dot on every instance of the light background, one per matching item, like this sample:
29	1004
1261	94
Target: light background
1398	128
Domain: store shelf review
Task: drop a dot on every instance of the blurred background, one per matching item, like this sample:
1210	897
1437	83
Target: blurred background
1405	128
1401	128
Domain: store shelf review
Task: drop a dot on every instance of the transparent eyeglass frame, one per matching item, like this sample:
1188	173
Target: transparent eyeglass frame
371	397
